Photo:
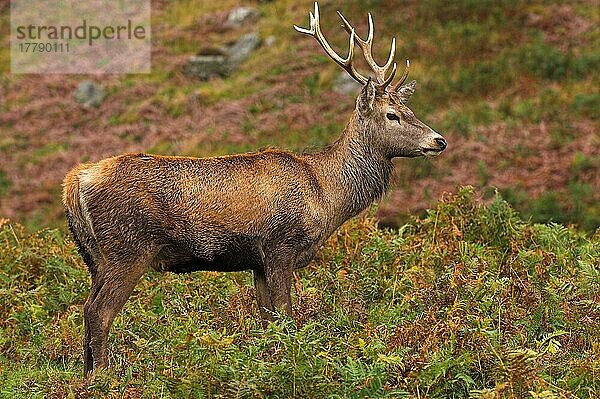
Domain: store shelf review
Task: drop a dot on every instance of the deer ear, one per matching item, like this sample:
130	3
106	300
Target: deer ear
406	91
366	98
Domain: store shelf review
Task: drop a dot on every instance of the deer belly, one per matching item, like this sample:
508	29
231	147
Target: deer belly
233	253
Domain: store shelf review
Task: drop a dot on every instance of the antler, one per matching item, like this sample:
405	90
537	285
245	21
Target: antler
401	81
315	31
367	48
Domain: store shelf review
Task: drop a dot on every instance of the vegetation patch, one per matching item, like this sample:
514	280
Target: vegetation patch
468	301
525	67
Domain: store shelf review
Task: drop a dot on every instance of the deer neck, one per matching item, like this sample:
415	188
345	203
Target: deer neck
353	173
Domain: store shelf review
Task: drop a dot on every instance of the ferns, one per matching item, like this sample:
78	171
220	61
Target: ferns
469	301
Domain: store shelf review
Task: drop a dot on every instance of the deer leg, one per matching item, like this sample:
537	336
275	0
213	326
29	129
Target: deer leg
88	360
263	297
279	283
100	311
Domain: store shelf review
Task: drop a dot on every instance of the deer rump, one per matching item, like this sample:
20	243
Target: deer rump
220	214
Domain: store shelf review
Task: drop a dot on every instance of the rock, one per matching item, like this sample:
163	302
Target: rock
212	62
209	63
243	48
90	94
345	84
240	15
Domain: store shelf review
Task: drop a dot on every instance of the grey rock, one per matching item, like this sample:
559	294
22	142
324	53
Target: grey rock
243	48
90	94
345	84
240	15
214	62
206	66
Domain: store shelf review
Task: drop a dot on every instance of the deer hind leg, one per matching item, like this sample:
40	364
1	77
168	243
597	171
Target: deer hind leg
89	325
107	297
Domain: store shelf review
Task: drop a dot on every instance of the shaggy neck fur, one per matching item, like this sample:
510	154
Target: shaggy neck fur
354	173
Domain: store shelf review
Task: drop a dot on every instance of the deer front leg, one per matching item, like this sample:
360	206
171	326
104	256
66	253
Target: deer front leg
273	292
263	297
279	283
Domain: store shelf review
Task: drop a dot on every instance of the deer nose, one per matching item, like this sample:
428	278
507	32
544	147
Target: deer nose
442	143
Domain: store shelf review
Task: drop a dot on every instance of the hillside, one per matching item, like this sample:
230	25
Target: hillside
439	291
512	85
469	301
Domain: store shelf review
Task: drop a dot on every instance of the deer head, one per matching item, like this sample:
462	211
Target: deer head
381	118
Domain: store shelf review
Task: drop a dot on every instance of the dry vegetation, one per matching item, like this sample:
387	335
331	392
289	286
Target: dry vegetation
511	85
468	300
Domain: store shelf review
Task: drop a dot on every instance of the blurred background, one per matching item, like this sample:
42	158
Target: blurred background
512	85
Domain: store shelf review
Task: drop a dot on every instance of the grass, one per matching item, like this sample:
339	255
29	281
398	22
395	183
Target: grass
5	184
468	301
479	65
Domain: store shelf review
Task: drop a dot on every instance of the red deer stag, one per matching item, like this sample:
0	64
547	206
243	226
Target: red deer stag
267	211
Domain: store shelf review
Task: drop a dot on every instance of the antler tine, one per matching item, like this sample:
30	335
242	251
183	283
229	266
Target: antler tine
367	49
401	81
386	82
315	31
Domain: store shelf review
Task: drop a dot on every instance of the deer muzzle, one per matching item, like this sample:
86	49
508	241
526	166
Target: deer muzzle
438	145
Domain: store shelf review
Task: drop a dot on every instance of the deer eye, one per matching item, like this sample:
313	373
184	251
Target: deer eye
393	117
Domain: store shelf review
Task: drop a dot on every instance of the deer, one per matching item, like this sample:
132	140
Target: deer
268	211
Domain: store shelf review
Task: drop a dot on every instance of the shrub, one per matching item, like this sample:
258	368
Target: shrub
467	301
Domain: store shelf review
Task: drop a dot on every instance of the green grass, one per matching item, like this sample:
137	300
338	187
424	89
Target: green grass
5	183
469	301
479	65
